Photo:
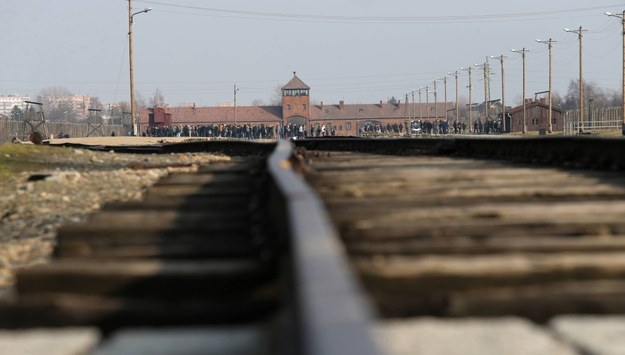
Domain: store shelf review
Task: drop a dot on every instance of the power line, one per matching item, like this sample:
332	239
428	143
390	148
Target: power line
380	19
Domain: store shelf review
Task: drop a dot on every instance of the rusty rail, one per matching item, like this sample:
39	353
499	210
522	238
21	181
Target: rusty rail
331	316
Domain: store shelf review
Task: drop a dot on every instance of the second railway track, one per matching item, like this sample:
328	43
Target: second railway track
462	237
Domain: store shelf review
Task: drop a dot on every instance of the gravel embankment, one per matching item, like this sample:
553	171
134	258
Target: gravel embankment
73	184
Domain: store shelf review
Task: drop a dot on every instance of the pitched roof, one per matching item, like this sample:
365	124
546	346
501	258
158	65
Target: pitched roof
201	115
534	104
184	115
295	83
376	111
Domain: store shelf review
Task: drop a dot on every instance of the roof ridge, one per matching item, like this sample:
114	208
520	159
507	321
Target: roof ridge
295	83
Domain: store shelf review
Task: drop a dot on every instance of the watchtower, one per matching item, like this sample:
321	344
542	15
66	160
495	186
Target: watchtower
295	102
34	121
95	122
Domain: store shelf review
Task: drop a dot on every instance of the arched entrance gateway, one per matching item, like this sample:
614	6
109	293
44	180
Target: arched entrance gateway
295	126
296	120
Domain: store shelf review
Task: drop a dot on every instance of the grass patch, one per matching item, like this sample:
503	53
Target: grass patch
17	158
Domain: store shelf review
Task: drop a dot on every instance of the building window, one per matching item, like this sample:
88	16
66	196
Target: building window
361	109
304	106
348	126
294	92
340	128
288	107
553	121
520	121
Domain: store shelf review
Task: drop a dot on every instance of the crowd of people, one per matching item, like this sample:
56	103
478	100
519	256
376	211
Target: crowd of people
430	127
244	131
443	127
295	131
487	127
376	128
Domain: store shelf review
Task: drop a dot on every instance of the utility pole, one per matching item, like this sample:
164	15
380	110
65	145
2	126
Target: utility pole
435	102
427	102
133	117
413	107
406	112
235	103
523	51
470	87
486	96
580	35
455	74
622	18
487	91
485	75
420	105
503	96
444	79
549	44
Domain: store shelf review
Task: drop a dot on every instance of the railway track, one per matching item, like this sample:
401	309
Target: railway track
206	259
460	237
244	258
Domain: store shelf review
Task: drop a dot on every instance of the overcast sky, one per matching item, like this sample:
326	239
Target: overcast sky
360	51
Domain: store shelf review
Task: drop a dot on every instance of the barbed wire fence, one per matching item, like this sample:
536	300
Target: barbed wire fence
11	129
595	120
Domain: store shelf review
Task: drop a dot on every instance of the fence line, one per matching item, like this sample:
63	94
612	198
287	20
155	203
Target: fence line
10	129
595	120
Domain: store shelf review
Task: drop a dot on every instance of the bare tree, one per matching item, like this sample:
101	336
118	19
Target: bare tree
276	97
157	99
140	103
119	112
56	104
61	111
556	100
96	103
594	96
54	91
17	114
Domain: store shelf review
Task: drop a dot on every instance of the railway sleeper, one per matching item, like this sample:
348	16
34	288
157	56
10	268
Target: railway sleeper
198	250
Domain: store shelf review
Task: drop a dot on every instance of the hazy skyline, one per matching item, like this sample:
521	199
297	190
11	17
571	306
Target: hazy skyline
359	51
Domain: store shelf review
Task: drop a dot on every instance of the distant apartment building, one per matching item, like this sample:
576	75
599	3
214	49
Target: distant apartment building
8	102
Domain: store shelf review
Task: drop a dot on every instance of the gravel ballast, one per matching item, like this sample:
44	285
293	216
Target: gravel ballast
57	186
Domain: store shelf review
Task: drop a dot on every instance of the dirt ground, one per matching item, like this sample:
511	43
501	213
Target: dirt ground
120	141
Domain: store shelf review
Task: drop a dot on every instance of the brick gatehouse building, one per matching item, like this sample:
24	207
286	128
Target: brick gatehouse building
327	119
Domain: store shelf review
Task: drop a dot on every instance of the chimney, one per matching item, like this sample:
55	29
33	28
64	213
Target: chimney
321	106
381	102
341	104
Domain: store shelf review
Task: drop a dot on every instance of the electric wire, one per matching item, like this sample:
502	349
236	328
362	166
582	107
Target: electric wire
381	19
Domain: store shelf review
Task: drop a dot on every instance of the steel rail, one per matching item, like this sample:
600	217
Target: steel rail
331	316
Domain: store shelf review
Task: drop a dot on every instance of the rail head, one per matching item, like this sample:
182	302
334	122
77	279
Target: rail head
332	316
